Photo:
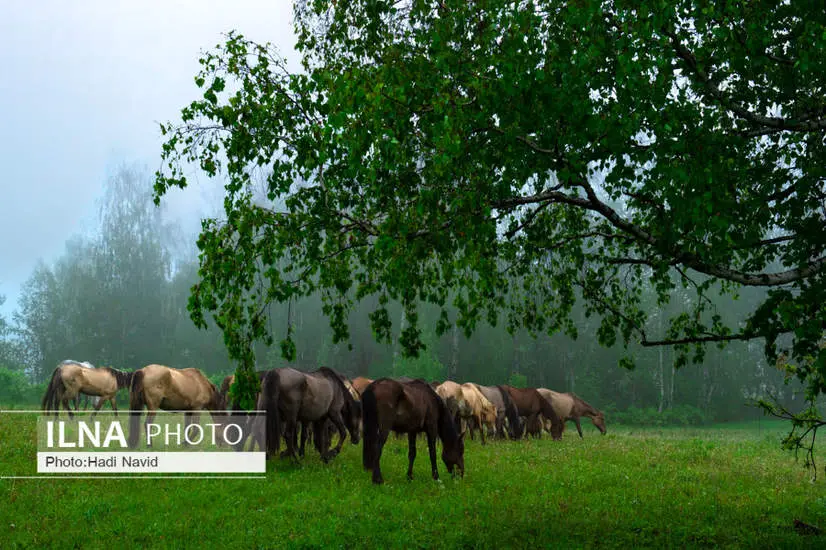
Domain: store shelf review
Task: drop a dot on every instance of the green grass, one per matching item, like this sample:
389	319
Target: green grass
727	486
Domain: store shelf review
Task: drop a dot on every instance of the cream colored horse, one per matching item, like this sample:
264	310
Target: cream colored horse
465	402
360	384
484	412
569	406
159	387
71	378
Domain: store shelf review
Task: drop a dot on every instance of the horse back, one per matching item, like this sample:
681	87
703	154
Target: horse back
562	403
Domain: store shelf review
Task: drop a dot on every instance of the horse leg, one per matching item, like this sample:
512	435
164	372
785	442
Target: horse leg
68	407
411	453
97	407
431	447
377	477
482	428
342	433
578	427
305	429
112	401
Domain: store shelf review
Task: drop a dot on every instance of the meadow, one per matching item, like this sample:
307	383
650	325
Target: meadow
718	486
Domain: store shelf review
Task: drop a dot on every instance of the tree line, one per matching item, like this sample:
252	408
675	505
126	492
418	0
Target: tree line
119	296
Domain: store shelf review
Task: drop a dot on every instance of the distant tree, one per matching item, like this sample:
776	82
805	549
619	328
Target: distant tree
10	350
511	157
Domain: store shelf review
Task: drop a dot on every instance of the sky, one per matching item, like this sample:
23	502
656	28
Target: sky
83	86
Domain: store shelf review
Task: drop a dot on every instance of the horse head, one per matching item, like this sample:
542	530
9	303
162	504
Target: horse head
599	421
453	455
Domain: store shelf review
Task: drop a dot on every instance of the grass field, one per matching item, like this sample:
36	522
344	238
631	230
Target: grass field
722	486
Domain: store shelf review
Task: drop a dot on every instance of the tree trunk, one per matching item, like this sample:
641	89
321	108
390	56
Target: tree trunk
453	370
659	375
397	344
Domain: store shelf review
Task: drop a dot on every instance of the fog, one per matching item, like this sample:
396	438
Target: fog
84	87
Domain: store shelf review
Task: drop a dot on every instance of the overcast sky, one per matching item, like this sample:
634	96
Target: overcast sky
83	85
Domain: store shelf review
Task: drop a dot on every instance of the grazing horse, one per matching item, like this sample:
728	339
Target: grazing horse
467	405
293	397
411	408
83	396
569	406
505	409
530	404
71	378
160	387
483	411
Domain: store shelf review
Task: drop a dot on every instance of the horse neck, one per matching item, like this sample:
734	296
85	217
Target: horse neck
584	409
448	431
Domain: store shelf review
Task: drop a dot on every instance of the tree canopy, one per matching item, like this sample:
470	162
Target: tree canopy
511	158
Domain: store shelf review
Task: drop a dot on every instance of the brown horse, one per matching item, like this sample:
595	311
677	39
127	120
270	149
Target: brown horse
411	408
159	387
505	410
71	379
530	404
293	397
569	406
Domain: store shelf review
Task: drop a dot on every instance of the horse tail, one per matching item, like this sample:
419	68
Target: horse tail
136	402
370	418
511	413
54	391
548	411
351	406
269	403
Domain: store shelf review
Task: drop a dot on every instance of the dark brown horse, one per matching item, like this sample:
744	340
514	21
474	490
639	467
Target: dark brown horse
505	410
409	407
291	398
530	404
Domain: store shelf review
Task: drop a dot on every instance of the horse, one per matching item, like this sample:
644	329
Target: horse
530	403
505	409
71	378
161	387
294	397
360	383
569	406
83	396
411	408
483	411
468	405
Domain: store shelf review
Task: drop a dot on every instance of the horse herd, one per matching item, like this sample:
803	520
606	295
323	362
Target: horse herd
323	403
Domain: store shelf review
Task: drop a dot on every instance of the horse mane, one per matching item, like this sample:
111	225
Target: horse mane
336	377
589	408
510	410
123	378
